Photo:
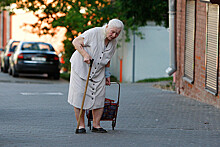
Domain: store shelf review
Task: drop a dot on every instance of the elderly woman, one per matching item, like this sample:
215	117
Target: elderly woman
98	43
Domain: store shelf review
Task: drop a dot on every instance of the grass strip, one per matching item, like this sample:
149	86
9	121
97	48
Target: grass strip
155	80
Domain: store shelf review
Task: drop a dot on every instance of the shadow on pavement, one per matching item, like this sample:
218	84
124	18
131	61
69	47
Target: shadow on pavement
29	78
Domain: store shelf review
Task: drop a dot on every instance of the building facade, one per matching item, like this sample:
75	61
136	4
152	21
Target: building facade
197	50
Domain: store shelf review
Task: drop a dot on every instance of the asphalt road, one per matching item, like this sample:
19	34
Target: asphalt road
34	112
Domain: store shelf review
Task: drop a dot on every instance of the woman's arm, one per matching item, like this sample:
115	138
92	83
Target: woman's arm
108	81
78	44
108	64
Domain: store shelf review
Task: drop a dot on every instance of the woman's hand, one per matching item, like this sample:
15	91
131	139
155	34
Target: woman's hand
87	58
108	81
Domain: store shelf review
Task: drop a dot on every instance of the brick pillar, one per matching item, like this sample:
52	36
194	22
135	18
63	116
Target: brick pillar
4	28
1	30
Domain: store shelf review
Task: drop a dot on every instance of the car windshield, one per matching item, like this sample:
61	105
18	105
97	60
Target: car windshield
13	46
37	47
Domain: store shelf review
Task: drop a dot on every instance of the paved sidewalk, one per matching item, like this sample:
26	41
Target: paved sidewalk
147	117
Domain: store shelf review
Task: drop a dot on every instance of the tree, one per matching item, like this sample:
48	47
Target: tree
5	3
136	13
69	14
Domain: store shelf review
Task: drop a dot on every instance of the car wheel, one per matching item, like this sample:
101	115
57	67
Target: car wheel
4	69
9	70
56	76
14	72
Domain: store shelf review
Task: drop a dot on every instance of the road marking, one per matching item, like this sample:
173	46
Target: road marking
41	93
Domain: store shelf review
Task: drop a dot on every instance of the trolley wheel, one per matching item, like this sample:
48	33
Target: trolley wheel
113	125
89	124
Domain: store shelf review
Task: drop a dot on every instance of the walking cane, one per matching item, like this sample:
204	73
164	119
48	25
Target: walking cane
84	96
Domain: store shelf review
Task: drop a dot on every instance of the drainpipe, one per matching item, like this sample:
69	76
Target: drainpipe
8	25
172	12
133	69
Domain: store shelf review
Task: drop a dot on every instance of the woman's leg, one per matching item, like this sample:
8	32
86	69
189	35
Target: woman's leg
97	114
82	122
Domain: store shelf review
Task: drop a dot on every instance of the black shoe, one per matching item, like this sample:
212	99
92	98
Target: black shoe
98	130
80	131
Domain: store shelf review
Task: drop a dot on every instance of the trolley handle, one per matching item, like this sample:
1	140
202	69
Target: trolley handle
118	91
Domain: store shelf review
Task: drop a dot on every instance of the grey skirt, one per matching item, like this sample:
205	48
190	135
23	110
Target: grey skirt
95	95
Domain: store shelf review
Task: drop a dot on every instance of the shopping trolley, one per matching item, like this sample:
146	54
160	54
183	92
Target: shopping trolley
110	110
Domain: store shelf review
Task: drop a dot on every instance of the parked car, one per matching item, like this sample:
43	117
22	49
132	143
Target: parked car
9	50
35	57
1	50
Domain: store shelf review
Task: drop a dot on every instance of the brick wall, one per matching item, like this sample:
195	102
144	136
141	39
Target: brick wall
197	89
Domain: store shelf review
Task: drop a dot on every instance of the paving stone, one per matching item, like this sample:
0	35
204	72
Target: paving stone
147	116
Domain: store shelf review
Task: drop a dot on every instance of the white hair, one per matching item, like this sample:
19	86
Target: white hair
116	23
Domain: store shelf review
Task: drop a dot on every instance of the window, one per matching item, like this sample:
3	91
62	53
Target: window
14	45
37	47
212	40
189	41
